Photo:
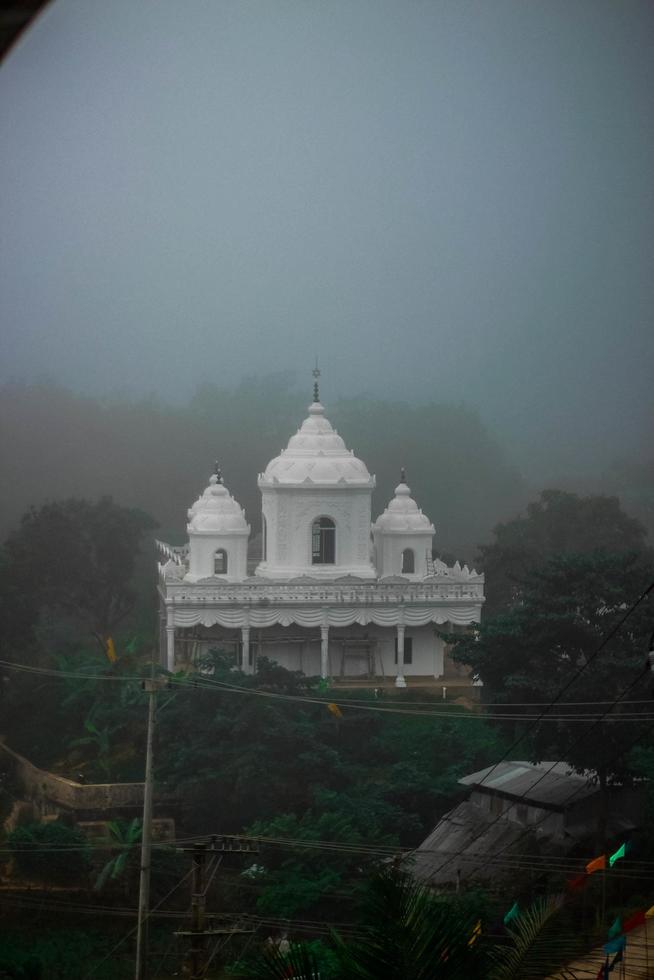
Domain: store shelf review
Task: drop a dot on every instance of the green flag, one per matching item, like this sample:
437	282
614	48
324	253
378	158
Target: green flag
620	853
616	928
512	914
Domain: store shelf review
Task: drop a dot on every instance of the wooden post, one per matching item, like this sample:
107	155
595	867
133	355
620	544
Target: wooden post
151	686
198	951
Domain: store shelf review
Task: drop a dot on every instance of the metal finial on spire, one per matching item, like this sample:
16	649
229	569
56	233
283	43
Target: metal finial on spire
402	475
218	472
316	374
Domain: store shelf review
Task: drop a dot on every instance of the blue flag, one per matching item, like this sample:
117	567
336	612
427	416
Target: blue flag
615	945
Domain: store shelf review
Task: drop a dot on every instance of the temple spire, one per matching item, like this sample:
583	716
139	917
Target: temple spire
316	375
218	473
402	475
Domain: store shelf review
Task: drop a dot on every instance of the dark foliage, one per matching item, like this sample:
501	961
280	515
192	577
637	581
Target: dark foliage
79	557
558	523
51	851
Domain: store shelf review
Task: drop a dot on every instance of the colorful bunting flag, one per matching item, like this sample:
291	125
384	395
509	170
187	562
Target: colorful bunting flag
475	934
111	650
616	928
574	884
615	945
597	864
650	913
620	853
335	710
637	919
512	914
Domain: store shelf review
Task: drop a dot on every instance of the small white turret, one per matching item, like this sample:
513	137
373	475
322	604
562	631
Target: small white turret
403	536
218	535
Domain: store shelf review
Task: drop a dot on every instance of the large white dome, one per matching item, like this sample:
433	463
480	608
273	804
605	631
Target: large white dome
403	514
216	511
316	454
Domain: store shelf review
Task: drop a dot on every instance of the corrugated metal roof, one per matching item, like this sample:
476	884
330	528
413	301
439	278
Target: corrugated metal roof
469	838
552	784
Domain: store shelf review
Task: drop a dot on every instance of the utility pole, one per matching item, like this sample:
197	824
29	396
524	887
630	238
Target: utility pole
198	951
151	686
198	934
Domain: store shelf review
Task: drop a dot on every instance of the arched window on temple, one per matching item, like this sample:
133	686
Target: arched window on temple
408	561
220	562
323	541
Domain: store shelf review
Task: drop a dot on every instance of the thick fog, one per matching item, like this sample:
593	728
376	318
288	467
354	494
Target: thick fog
444	200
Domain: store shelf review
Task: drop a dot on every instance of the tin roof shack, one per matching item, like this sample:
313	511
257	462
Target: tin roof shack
481	837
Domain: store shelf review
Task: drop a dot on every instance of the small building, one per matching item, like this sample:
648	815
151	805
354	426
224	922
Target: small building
334	593
480	837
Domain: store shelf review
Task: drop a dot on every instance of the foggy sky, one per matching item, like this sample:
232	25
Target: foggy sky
443	199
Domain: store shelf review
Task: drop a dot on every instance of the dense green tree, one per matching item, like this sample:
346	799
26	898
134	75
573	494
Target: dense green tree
240	757
296	879
79	557
557	523
52	851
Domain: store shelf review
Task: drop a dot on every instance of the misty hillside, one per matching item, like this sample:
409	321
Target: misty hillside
55	444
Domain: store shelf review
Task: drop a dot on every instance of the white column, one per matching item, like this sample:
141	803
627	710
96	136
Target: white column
439	656
324	651
399	680
170	648
162	636
245	649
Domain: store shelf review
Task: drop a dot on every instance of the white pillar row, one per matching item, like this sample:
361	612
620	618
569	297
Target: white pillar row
324	651
245	649
399	680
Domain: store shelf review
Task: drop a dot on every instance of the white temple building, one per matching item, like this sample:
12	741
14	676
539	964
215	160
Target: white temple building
334	593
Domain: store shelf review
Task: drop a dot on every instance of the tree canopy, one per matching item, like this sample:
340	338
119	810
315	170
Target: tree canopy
558	523
79	556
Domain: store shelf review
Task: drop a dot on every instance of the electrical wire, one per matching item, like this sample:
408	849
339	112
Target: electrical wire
133	930
200	682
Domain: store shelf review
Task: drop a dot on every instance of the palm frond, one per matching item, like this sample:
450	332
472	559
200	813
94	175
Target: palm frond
408	932
511	961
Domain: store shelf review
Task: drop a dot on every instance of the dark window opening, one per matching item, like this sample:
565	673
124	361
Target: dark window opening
220	562
408	561
323	541
408	650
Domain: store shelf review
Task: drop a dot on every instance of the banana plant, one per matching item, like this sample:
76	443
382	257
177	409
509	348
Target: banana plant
125	837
